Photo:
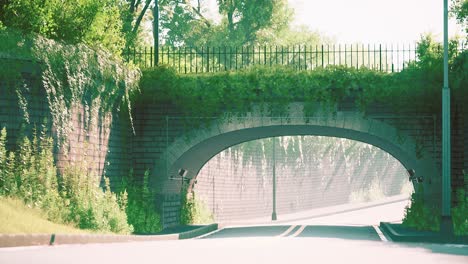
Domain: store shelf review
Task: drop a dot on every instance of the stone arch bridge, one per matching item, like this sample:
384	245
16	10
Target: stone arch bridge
175	151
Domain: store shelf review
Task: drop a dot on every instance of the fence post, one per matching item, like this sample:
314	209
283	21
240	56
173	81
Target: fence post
339	54
151	57
322	57
145	57
207	59
305	57
225	59
380	54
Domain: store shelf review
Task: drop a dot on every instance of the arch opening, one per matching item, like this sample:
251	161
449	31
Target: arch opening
312	172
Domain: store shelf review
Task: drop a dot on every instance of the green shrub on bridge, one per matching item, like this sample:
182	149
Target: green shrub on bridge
415	89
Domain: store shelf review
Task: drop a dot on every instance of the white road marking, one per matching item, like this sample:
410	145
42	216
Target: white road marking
208	234
379	232
285	233
299	231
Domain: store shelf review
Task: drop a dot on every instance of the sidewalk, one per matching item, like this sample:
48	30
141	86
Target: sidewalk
182	232
399	233
316	213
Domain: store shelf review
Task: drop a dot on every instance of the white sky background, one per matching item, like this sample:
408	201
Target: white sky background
371	21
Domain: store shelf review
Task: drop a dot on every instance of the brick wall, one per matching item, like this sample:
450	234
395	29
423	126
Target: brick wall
99	139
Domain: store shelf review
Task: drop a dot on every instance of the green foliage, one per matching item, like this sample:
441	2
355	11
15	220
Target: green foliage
415	88
140	200
421	216
31	175
88	205
242	22
459	9
92	22
214	94
420	83
460	213
194	211
71	75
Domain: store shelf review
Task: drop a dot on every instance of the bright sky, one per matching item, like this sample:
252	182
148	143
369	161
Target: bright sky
373	21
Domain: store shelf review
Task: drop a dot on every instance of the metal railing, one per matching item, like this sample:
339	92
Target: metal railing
387	58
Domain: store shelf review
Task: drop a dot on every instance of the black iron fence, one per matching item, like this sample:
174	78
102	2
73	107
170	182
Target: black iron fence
388	58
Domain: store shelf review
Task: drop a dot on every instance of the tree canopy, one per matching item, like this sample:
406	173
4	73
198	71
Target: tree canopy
116	24
89	21
241	22
459	9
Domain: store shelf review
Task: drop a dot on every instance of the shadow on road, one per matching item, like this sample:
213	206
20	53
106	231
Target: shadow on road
341	232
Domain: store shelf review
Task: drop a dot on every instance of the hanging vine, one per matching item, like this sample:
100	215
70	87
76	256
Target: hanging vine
71	75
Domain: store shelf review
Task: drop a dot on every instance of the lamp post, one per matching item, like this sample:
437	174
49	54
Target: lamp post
156	32
273	215
446	225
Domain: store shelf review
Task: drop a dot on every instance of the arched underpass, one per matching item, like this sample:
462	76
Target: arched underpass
236	186
189	153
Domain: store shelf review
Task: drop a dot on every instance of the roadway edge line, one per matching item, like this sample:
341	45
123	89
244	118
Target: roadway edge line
208	234
285	233
380	233
299	231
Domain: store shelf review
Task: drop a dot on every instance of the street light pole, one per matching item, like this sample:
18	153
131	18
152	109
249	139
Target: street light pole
446	225
273	215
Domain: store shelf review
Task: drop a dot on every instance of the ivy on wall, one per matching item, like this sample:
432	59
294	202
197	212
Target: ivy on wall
71	75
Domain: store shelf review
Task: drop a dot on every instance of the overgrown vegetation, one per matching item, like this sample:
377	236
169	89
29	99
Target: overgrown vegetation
460	211
75	197
71	75
193	210
420	215
416	87
141	201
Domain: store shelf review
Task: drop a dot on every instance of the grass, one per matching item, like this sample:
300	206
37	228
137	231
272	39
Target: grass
16	217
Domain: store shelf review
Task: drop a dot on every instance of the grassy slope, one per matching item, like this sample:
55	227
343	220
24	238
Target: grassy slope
15	217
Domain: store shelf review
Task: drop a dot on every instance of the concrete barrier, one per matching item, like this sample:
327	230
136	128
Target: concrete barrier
22	240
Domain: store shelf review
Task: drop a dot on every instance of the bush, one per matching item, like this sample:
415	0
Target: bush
89	206
194	211
420	216
141	209
75	197
460	212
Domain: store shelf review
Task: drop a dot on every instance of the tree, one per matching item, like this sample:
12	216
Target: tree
242	21
459	10
133	16
89	21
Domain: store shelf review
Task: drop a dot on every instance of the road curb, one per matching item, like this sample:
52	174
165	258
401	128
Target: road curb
22	240
397	233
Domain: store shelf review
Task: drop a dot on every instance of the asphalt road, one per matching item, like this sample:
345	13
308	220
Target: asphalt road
339	238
